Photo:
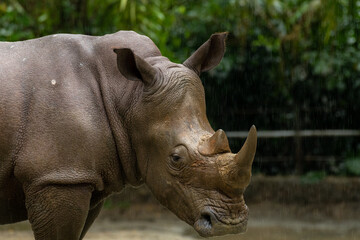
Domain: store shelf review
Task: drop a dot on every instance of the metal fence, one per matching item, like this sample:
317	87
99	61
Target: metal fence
297	136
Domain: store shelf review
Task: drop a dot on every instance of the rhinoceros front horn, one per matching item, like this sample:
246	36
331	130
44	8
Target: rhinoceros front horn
245	156
236	172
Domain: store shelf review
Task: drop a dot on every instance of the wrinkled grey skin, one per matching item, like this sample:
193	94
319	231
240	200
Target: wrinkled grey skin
82	116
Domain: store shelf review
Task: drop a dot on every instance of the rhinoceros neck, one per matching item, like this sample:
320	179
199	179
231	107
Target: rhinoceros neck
120	95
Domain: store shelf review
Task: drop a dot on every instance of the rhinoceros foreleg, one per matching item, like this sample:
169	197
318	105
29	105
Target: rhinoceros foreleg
58	211
93	213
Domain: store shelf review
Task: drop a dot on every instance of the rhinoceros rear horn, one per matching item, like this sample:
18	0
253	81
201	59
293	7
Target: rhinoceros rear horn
208	55
216	144
134	67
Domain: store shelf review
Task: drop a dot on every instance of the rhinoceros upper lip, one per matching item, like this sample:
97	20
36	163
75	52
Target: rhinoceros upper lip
209	224
239	218
230	221
210	214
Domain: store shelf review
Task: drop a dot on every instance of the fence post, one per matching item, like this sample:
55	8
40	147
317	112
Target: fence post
299	156
299	164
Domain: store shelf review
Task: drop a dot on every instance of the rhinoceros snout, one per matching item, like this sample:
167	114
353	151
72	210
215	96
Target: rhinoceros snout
208	225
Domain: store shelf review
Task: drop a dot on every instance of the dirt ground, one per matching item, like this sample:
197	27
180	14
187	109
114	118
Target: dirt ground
267	222
281	208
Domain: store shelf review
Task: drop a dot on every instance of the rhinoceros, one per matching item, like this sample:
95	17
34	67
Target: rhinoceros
83	116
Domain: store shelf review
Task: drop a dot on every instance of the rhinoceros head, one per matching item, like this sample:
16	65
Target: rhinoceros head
187	165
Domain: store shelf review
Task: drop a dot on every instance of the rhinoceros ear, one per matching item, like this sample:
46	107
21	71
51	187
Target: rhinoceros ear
134	67
208	55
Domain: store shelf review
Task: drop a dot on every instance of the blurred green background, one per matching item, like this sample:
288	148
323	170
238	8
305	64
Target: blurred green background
289	65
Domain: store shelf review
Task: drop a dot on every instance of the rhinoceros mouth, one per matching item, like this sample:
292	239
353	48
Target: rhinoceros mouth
209	224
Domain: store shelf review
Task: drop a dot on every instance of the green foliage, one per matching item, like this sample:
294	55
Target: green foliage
307	52
352	166
111	204
15	23
313	177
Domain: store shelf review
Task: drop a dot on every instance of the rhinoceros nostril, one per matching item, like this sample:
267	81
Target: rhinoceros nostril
204	225
206	220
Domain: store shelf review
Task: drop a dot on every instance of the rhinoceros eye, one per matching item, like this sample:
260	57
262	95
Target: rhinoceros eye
176	162
178	157
175	158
